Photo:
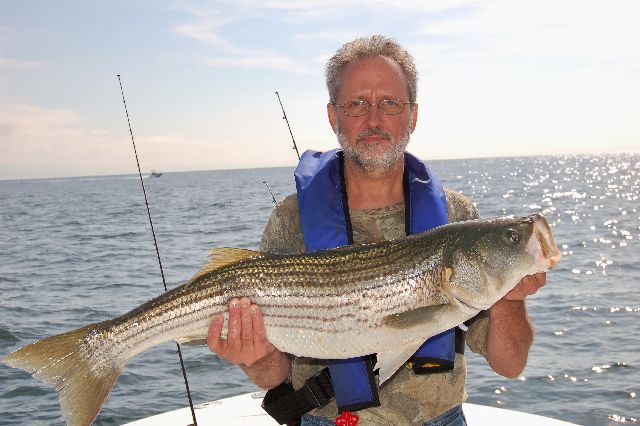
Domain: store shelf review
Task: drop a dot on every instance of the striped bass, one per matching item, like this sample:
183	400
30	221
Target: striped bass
385	298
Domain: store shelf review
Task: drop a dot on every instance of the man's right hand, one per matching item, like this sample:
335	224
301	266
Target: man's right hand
246	341
247	345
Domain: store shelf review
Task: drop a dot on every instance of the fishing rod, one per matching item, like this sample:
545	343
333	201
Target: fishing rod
155	243
269	189
284	117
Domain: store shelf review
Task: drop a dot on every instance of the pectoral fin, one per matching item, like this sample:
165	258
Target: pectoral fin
414	317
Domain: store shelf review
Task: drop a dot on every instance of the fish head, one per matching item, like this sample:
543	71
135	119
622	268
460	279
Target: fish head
490	257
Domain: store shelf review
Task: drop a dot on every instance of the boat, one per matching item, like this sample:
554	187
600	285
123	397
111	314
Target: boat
246	410
155	173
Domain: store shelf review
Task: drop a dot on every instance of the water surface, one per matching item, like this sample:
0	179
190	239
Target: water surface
79	250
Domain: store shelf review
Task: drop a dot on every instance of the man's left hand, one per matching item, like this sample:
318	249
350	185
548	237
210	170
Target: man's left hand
527	286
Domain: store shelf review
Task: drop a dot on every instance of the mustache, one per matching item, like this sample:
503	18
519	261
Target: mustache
370	132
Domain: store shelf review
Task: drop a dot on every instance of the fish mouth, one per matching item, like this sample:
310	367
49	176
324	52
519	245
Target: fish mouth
543	247
468	306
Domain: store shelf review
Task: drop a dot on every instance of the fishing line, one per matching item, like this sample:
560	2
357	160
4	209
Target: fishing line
155	243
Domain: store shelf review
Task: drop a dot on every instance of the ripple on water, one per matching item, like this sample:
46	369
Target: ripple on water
622	419
27	391
610	367
606	310
7	337
7	279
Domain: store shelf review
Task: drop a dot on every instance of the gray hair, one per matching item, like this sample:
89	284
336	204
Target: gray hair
370	47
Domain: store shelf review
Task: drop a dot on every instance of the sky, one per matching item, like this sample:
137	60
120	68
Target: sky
497	78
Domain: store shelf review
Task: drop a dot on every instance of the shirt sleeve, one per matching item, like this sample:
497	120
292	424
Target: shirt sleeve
282	232
476	335
460	207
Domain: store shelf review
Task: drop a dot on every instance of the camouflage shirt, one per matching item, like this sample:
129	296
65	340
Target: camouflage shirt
406	398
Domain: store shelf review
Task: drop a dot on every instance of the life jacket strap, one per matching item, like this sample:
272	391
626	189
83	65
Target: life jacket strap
286	405
353	382
428	362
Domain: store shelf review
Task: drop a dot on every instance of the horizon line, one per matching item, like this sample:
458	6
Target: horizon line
134	173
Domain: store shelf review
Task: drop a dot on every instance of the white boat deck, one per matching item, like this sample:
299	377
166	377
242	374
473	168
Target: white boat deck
245	410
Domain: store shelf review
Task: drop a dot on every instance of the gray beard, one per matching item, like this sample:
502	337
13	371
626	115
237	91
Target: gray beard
367	156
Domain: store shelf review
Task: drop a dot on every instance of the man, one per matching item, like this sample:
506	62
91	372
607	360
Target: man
372	86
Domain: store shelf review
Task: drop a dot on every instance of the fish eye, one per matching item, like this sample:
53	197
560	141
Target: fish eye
513	235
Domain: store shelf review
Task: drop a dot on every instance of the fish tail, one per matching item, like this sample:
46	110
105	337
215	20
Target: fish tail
77	365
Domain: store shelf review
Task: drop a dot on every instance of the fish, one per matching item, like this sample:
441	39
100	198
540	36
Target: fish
385	298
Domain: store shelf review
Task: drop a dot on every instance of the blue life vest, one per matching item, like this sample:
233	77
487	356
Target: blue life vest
325	223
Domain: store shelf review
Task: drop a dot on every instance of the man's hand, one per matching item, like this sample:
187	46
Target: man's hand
246	337
247	345
527	286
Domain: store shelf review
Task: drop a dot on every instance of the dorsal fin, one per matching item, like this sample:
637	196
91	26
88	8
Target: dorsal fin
222	256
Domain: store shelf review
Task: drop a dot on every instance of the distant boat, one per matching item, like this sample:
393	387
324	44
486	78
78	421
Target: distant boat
156	174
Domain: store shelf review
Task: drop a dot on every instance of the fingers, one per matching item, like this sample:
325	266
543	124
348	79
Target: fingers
214	341
541	279
527	286
533	282
259	333
228	349
262	346
246	340
234	345
246	332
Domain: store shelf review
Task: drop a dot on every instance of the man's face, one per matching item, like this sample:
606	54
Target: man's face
374	141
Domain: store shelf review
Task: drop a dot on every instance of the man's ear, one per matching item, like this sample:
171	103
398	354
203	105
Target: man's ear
331	113
414	116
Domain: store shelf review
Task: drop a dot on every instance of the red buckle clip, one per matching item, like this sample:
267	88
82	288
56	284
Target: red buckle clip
347	419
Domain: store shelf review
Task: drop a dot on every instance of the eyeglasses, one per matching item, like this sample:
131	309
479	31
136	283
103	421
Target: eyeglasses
358	107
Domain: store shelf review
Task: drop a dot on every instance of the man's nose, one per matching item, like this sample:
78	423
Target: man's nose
373	116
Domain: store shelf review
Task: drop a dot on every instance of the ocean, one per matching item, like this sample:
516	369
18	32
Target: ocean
79	250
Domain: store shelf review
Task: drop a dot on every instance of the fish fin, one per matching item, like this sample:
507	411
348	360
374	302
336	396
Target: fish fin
223	256
414	317
390	361
192	340
66	361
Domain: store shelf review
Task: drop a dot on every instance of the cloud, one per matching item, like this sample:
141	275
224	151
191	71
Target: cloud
206	34
6	34
26	121
443	30
336	36
569	31
275	61
207	27
38	142
211	25
7	62
313	8
10	63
